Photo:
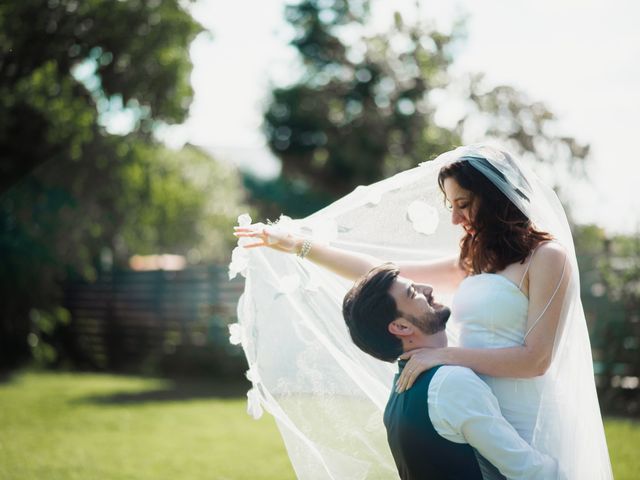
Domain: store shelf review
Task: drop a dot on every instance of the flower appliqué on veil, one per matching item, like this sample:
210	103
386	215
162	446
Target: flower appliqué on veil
423	217
254	404
236	334
239	255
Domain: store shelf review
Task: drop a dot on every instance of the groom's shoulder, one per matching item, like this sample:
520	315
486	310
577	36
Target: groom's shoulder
457	373
452	378
457	393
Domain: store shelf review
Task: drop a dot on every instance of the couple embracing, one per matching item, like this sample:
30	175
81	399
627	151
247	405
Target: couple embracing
483	314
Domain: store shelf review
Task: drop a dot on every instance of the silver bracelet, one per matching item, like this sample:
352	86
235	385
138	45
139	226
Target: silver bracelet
304	250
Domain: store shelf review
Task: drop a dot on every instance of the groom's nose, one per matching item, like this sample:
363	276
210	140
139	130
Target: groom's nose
427	289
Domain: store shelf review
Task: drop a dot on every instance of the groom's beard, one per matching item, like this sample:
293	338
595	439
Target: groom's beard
431	323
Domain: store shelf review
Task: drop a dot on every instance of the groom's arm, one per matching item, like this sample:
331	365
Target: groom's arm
463	409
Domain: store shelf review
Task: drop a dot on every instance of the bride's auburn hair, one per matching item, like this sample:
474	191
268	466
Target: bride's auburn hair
503	234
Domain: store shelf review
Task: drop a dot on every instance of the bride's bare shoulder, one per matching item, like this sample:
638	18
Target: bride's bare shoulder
549	257
550	250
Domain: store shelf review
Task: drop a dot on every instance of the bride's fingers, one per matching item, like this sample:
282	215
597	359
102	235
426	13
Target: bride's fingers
248	234
402	380
404	383
410	380
408	376
247	231
253	245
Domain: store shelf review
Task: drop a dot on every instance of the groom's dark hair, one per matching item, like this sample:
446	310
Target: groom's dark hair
369	308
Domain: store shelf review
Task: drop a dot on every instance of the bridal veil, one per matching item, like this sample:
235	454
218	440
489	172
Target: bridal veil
326	395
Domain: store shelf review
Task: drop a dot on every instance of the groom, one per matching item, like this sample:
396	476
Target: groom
449	424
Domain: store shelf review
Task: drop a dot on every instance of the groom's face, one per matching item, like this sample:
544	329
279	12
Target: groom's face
416	303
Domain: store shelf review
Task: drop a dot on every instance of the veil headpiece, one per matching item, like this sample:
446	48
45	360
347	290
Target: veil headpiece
326	395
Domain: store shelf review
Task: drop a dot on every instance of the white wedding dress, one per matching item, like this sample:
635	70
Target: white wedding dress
490	311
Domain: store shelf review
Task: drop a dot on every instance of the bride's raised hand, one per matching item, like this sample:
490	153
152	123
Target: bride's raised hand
269	236
419	360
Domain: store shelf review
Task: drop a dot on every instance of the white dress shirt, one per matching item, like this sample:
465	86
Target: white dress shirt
463	409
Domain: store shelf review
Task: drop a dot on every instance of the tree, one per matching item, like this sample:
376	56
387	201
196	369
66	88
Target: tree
359	113
364	107
76	198
610	278
527	127
137	49
619	268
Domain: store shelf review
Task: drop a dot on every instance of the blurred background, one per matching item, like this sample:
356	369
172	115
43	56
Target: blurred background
134	132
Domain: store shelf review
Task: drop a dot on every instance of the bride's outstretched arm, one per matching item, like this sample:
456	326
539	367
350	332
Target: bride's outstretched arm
348	264
443	273
549	277
345	263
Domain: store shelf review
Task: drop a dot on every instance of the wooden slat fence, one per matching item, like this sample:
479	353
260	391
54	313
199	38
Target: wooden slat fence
156	321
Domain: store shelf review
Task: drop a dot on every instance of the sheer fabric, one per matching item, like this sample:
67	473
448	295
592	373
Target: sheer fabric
326	395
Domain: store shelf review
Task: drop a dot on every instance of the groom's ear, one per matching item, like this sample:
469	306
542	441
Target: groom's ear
400	327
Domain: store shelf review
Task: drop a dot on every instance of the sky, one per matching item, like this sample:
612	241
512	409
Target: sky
580	57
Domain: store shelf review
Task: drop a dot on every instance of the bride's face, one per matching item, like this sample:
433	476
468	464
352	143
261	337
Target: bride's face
461	203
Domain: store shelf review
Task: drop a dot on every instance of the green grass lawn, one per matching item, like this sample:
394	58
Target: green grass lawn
90	426
87	426
623	439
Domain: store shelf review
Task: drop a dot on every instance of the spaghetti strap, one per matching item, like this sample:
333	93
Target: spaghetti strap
527	269
529	263
564	264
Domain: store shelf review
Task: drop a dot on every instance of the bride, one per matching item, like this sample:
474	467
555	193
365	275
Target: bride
517	319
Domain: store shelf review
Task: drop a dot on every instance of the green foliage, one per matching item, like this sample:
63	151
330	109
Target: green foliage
300	199
360	111
525	126
65	218
139	52
364	107
44	326
76	199
610	278
185	203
